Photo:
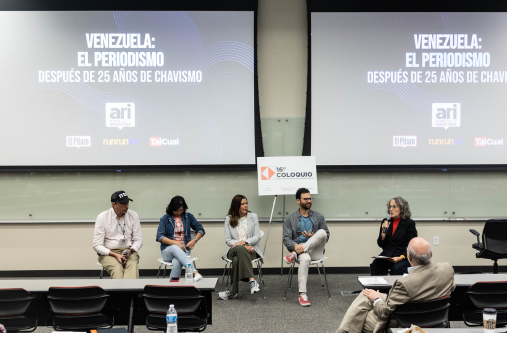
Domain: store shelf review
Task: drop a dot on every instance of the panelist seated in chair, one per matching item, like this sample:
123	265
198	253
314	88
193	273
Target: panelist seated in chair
393	238
305	234
370	311
174	235
117	238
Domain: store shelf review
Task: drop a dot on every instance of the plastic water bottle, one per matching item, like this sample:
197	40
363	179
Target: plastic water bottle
2	329
172	320
189	269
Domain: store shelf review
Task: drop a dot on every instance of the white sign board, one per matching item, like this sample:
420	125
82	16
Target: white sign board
285	175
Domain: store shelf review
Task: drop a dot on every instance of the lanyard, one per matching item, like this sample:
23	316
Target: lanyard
124	228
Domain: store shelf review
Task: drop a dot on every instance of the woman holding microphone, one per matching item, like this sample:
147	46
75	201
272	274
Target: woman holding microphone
394	236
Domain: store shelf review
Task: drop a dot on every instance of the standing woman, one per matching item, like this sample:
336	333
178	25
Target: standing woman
393	238
176	242
242	236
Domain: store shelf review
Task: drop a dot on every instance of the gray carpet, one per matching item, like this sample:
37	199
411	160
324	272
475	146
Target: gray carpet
252	313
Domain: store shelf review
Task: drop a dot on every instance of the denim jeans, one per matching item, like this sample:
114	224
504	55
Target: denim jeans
178	258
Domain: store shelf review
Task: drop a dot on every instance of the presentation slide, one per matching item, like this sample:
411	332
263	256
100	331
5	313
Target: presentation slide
409	88
98	88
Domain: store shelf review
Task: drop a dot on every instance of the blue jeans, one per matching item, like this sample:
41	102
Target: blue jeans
178	258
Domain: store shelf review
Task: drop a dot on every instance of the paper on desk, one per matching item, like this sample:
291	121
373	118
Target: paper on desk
368	281
381	257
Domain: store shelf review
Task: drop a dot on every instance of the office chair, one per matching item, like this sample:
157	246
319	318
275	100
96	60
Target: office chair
427	314
482	295
17	312
494	242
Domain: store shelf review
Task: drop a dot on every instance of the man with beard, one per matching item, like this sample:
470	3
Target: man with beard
305	235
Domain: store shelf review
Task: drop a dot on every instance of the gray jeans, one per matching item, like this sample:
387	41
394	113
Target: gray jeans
314	250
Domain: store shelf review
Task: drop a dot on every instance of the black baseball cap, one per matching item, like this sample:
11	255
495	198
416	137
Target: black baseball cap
120	196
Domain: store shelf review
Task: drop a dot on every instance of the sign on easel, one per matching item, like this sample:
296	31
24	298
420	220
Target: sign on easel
285	175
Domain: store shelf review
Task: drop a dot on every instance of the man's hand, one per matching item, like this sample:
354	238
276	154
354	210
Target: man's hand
128	254
371	294
191	244
120	258
250	249
305	234
395	259
299	248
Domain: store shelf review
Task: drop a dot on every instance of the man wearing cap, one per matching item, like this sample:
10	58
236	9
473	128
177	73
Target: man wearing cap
117	238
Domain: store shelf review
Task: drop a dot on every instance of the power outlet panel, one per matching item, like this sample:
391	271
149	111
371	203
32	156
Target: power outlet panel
436	241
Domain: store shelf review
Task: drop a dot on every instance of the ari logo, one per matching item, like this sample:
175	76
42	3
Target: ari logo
78	141
268	173
483	141
404	141
120	115
446	115
158	141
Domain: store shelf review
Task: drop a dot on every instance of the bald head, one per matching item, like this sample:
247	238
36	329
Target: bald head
419	252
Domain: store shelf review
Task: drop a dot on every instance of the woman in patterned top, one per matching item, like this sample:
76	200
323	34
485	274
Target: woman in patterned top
242	237
175	237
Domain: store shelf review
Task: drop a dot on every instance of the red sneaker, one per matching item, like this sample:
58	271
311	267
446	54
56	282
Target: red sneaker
291	257
303	300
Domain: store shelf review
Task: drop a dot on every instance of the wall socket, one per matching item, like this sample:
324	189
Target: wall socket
436	241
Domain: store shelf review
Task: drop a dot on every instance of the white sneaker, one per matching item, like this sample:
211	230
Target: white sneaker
197	277
227	295
254	287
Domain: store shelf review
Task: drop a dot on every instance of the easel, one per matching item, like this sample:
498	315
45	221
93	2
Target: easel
269	228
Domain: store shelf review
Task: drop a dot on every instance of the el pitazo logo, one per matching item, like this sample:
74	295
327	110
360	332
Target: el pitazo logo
120	115
446	115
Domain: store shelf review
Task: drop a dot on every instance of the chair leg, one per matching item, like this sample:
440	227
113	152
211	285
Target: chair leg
495	267
223	276
291	274
289	279
325	277
159	267
101	273
195	266
165	267
228	275
260	269
320	276
260	279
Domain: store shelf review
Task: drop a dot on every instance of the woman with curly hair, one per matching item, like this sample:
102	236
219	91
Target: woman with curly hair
393	238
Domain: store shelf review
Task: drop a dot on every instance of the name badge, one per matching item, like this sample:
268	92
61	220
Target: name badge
122	243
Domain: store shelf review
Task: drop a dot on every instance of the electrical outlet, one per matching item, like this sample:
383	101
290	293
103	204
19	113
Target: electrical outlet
436	241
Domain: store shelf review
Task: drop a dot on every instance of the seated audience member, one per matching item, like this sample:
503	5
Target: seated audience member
305	235
117	238
370	310
242	236
393	238
173	233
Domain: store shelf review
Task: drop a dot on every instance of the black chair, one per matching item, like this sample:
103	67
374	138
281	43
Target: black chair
494	242
482	295
80	308
427	314
17	312
188	301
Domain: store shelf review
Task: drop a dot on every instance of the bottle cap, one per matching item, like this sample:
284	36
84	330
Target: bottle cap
171	306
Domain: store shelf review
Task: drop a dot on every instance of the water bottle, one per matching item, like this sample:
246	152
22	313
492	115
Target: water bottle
172	320
189	269
2	329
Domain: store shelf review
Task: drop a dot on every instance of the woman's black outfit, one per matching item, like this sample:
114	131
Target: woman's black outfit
394	246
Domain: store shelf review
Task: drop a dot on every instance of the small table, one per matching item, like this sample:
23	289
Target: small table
454	330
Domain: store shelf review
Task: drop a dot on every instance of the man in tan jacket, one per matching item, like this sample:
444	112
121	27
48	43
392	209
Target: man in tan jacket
370	310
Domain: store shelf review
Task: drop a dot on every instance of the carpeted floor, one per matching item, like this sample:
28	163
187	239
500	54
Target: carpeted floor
253	313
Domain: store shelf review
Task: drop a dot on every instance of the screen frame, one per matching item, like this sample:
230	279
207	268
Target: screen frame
148	5
390	6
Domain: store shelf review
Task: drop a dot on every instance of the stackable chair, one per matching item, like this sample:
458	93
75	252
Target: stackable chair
494	242
80	308
17	311
188	302
482	295
258	262
101	270
427	314
165	264
316	262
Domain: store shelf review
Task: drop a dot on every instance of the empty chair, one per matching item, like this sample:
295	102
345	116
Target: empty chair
16	313
80	308
494	242
188	302
428	314
482	295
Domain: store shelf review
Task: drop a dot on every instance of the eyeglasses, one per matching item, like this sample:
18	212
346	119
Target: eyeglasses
393	207
306	199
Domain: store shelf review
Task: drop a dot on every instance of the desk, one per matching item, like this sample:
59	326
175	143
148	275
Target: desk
455	330
125	295
463	282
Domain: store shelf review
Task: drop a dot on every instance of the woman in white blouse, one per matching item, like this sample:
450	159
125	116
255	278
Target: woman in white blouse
242	237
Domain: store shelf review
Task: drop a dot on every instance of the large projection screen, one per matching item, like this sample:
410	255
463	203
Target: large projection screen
408	88
133	88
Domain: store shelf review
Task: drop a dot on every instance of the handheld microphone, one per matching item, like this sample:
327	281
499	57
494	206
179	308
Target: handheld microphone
384	230
125	253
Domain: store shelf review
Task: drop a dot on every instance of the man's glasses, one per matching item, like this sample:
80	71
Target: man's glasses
306	199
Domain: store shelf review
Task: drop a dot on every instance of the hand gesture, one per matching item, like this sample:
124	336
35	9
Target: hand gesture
307	235
120	258
250	249
299	248
371	294
191	244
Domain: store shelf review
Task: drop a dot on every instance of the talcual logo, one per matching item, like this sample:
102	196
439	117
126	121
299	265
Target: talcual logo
483	141
446	115
158	141
118	141
404	141
443	141
120	115
78	141
268	173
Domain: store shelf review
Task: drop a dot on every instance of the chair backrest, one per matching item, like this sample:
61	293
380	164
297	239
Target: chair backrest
14	301
494	236
186	299
262	234
429	313
77	300
488	294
